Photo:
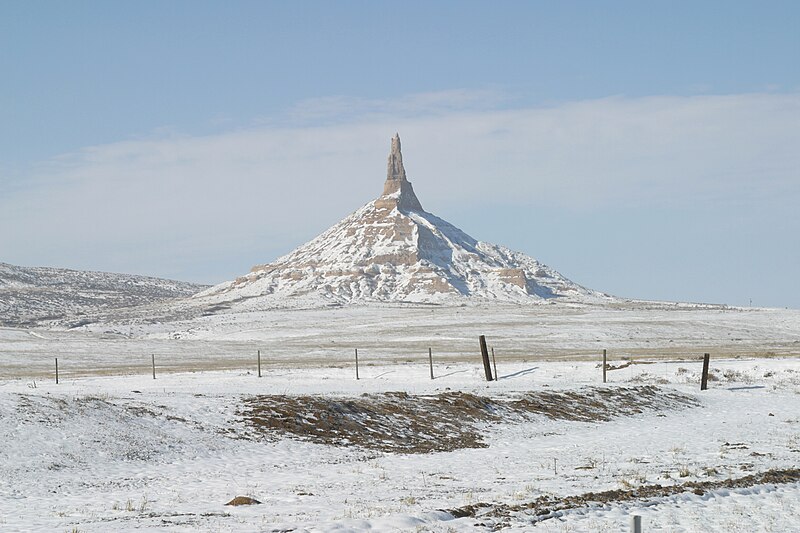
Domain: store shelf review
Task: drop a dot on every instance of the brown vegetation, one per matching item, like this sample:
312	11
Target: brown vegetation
401	423
546	507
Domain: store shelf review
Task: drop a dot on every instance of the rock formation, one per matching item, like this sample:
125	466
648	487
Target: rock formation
392	250
397	190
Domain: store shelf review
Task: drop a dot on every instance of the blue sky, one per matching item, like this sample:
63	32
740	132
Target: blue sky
647	149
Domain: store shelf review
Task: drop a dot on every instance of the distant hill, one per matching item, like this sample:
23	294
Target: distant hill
32	296
392	250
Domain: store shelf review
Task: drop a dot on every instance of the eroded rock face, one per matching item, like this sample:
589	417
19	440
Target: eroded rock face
392	250
397	190
395	171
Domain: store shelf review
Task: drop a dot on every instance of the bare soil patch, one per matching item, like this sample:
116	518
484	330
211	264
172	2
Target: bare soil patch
401	423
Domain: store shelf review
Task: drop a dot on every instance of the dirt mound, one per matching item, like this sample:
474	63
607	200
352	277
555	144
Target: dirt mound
401	423
243	500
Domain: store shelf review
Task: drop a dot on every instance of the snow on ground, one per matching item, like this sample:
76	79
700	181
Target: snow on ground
111	449
396	333
129	453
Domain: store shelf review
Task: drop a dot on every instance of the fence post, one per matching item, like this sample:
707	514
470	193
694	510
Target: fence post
494	364
56	370
259	363
356	363
154	365
485	356
704	379
430	361
636	524
605	366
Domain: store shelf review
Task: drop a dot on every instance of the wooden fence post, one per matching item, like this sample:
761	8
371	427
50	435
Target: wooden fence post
704	379
494	364
487	368
605	366
430	361
56	370
259	363
154	365
356	363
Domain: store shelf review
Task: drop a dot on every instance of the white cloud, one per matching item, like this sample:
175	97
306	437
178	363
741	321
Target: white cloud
343	108
266	189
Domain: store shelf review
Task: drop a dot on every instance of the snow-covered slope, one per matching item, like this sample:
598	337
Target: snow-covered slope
389	255
392	250
35	295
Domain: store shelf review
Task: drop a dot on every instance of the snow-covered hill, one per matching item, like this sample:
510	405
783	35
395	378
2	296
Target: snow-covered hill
39	295
392	250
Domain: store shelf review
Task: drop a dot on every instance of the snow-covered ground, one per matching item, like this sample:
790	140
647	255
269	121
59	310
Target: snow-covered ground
132	453
111	449
398	333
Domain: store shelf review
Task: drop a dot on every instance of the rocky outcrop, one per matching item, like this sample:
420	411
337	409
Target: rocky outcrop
392	250
397	190
395	171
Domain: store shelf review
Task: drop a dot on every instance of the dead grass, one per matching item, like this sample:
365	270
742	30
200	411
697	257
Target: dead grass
400	423
546	507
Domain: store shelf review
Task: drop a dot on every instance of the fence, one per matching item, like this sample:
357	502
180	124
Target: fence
161	363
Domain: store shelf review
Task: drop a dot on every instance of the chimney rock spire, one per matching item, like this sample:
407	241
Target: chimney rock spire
395	169
397	190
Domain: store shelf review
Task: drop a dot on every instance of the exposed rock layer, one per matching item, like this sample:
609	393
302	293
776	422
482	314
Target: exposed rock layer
397	190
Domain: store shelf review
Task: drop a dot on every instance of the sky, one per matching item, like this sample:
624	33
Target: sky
645	149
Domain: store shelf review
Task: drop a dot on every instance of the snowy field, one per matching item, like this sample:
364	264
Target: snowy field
133	453
111	449
398	334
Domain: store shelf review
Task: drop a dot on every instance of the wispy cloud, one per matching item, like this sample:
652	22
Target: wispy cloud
338	109
252	194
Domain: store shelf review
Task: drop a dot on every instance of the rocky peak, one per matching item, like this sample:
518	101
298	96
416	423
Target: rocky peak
395	170
397	190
